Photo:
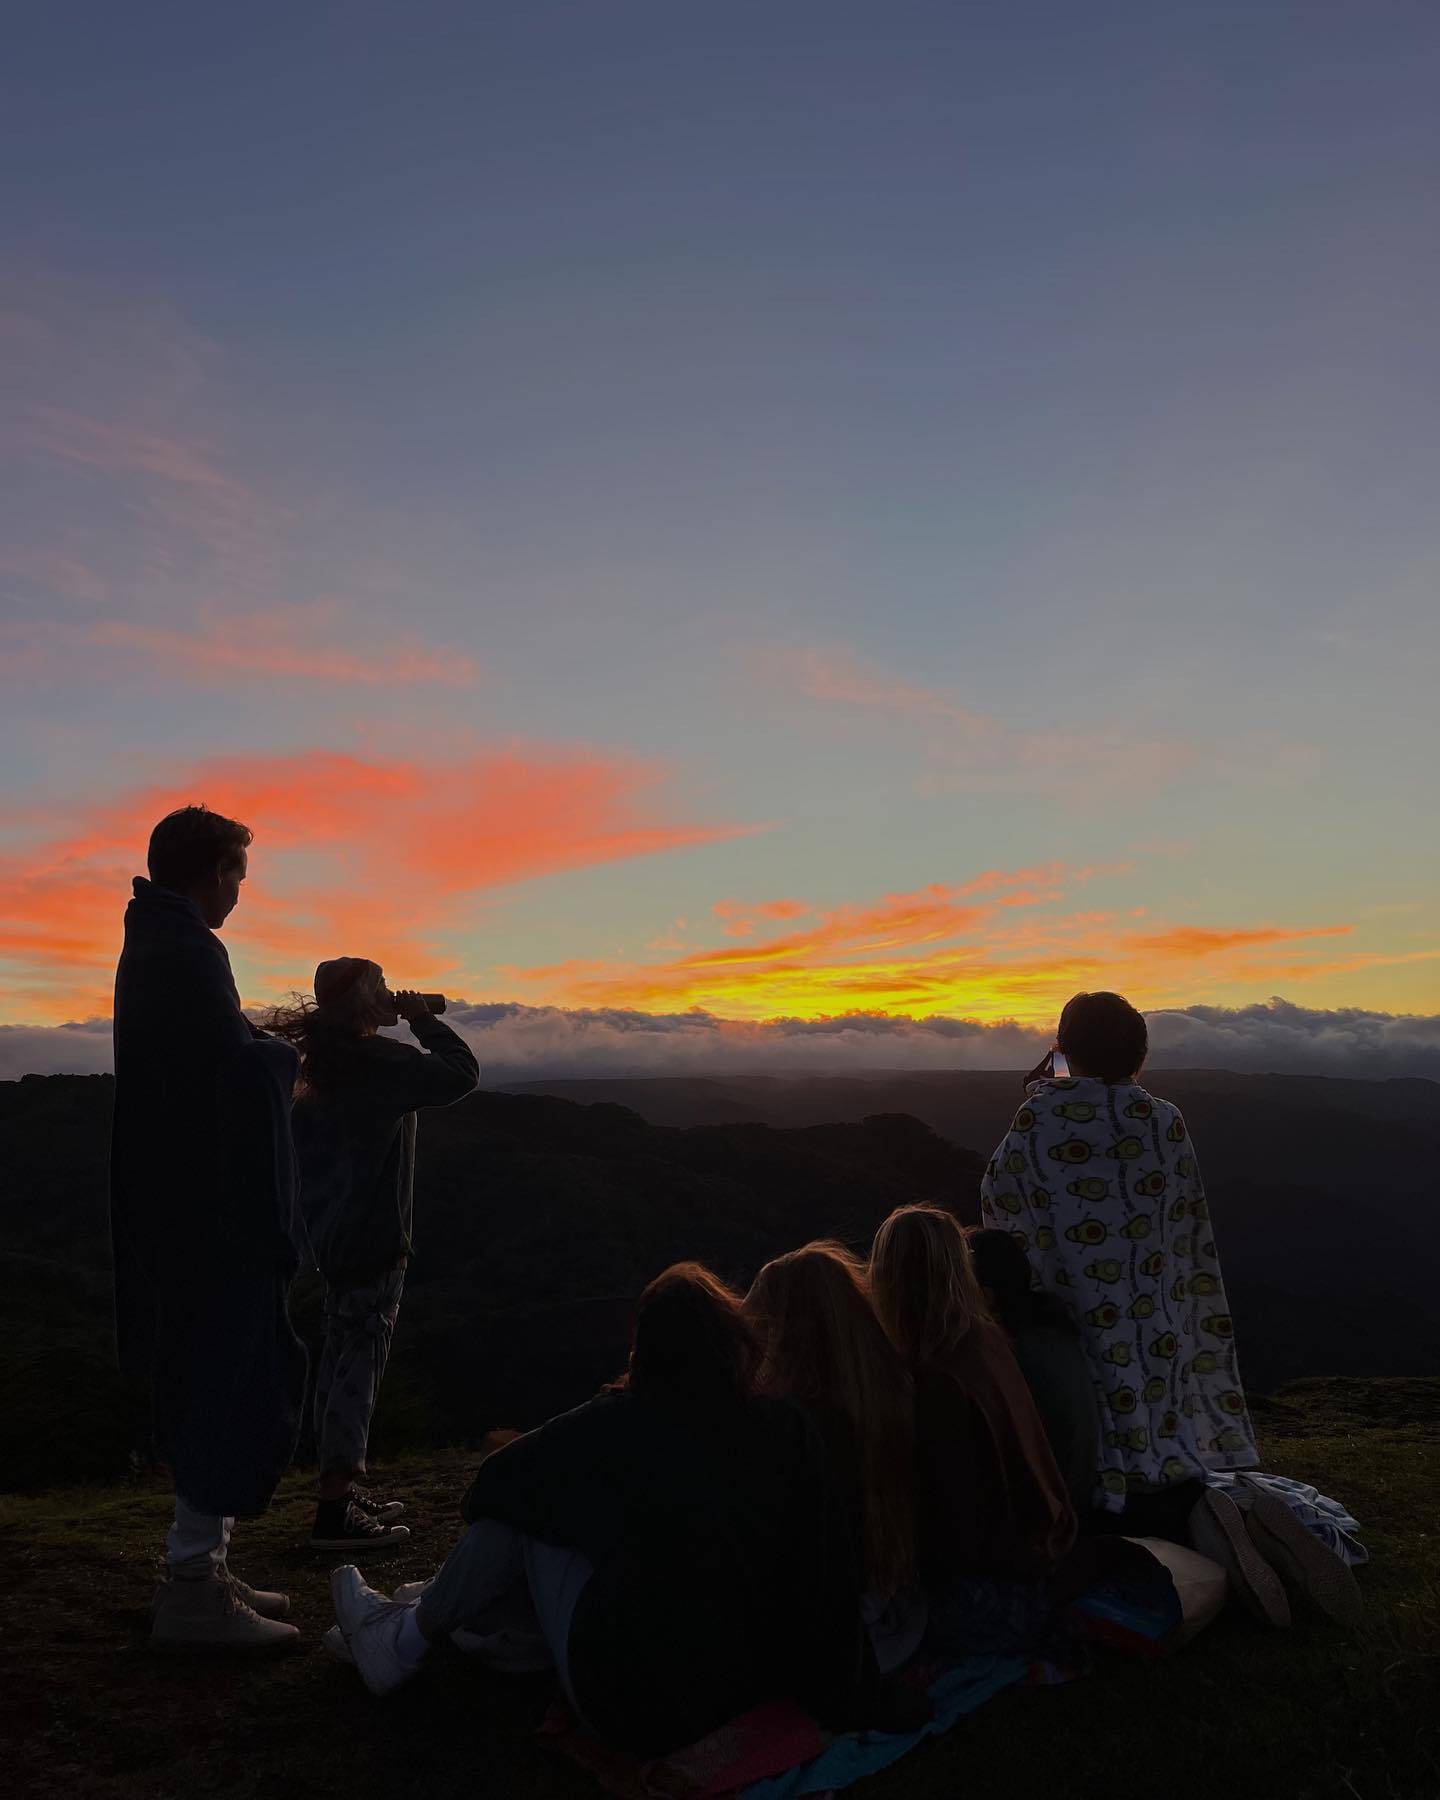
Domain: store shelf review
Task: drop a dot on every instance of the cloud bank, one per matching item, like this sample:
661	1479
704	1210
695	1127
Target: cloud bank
520	1043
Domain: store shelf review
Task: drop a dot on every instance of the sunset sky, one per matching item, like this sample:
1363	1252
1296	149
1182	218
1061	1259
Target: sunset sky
780	509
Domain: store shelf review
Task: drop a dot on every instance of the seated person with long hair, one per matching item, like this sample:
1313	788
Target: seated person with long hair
993	1518
354	1124
679	1537
823	1347
1051	1356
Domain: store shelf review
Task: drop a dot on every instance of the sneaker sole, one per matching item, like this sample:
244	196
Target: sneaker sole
1305	1565
1217	1529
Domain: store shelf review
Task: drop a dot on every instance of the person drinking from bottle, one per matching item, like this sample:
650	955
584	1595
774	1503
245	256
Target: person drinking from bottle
355	1134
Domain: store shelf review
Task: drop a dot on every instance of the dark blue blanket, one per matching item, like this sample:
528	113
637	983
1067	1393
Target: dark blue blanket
202	1207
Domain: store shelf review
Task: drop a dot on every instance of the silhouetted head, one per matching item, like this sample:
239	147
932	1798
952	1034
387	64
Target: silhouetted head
1001	1266
923	1283
352	990
202	855
351	1003
692	1345
822	1345
1103	1035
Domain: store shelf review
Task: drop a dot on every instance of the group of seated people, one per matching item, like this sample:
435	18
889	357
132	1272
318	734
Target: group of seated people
783	1495
793	1493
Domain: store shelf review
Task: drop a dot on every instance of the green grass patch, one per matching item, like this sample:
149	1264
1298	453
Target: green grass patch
1308	1714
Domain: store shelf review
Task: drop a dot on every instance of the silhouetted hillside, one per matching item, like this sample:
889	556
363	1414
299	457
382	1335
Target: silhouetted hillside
1321	1189
538	1221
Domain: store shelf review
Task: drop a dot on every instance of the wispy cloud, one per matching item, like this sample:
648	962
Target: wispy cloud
315	643
740	920
1211	940
125	449
967	747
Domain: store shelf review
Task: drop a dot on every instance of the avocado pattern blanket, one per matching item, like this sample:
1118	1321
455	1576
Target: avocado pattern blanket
1098	1183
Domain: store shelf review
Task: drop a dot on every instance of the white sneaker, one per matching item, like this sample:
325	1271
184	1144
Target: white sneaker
408	1593
1309	1570
1217	1530
371	1626
353	1599
334	1642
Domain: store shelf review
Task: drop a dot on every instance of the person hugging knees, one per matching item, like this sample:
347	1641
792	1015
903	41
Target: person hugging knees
823	1348
355	1127
679	1539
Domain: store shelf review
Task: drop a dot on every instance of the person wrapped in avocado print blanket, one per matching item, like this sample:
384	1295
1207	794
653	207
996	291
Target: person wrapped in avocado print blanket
1097	1180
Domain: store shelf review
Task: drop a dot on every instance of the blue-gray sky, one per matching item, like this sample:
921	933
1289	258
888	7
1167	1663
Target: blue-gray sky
950	486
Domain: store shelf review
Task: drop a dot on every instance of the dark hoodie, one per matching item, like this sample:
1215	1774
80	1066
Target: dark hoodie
202	1205
356	1141
725	1570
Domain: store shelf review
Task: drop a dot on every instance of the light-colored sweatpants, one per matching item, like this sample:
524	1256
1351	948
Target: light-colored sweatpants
488	1563
359	1327
197	1543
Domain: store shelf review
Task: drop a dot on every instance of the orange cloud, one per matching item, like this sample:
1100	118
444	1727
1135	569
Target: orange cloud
352	855
740	919
1204	940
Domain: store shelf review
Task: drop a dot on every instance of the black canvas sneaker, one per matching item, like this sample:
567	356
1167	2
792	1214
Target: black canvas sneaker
344	1525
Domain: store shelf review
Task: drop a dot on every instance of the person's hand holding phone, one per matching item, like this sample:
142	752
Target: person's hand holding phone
1043	1070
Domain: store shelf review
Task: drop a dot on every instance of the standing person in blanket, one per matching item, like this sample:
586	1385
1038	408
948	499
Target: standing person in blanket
1097	1182
355	1134
202	1217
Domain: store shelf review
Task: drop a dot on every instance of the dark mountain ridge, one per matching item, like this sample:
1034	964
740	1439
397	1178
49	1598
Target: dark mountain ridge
540	1218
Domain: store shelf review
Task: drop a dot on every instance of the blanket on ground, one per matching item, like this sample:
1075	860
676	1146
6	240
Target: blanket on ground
1326	1519
778	1752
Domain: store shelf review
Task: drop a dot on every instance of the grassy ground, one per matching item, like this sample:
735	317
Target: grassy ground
1298	1715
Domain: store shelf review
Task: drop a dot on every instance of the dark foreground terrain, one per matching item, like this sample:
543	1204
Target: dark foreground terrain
1308	1714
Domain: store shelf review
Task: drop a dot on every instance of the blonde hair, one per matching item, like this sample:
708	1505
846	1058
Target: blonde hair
923	1283
822	1345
